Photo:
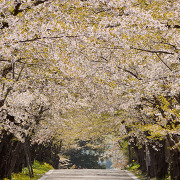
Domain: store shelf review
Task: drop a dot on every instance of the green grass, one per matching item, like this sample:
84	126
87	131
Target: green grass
134	168
39	170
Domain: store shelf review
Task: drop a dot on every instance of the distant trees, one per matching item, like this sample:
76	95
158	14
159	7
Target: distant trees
87	156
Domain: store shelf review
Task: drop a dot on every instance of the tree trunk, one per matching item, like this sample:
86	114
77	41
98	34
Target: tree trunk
14	159
130	154
5	154
141	158
174	157
175	165
159	166
148	163
28	160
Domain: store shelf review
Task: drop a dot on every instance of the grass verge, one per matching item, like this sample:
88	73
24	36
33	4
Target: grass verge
39	170
134	168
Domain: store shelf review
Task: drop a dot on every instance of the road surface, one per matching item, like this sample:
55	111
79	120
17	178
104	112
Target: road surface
88	174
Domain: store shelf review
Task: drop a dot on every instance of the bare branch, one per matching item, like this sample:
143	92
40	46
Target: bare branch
13	72
104	58
112	25
163	62
6	70
172	45
5	60
176	26
36	3
17	8
136	76
4	25
39	38
3	100
28	40
20	72
100	10
152	51
99	61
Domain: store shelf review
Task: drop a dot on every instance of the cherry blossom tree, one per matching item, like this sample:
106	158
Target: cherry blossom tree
65	64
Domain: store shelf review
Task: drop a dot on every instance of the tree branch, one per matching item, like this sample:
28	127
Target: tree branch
6	70
176	26
112	26
13	72
163	62
4	25
17	8
152	51
36	3
4	60
39	38
3	100
136	76
20	72
172	45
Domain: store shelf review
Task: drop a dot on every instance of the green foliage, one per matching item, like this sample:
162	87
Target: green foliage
124	146
134	168
39	169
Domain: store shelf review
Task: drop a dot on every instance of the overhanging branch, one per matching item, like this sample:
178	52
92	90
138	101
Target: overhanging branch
133	74
40	38
152	51
163	62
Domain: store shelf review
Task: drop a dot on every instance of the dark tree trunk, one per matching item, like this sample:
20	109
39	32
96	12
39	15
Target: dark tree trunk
130	154
159	166
9	154
174	157
56	150
175	165
28	159
5	154
141	156
150	173
15	156
48	153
